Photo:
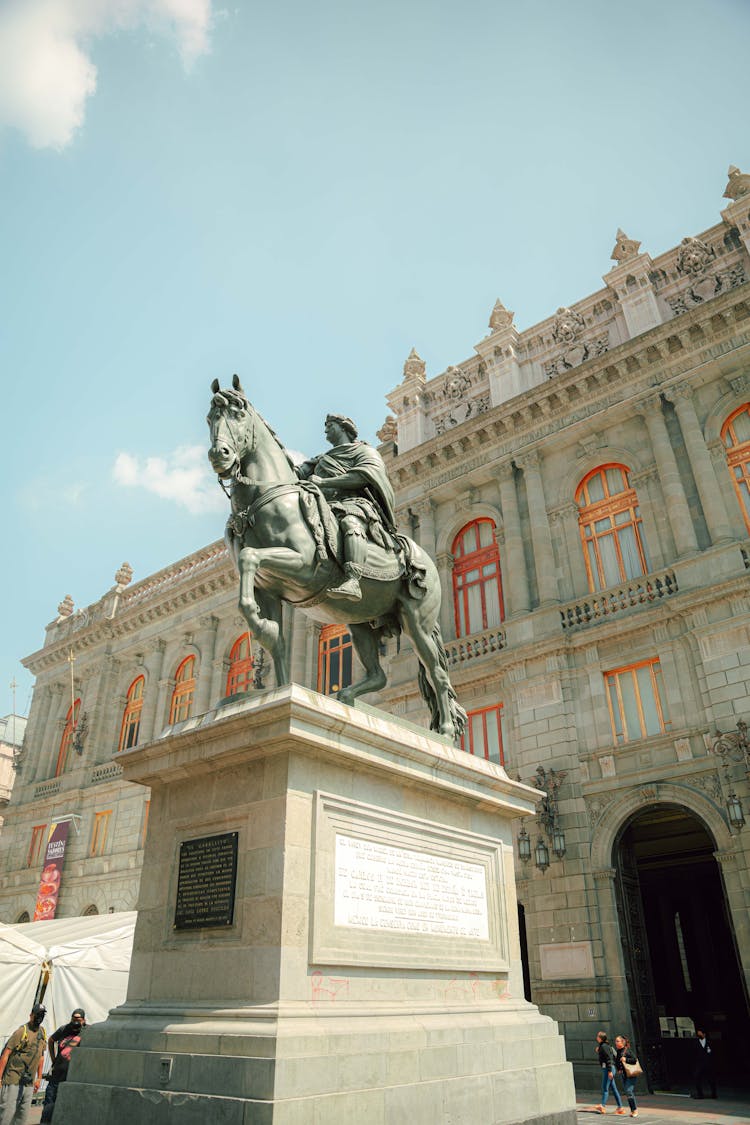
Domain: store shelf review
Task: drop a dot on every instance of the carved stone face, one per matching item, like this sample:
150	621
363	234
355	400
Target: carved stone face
568	325
693	258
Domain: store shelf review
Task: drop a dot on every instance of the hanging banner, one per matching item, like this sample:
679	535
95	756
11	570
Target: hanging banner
49	885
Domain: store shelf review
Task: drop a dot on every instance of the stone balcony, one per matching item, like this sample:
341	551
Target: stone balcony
49	788
106	771
604	604
477	645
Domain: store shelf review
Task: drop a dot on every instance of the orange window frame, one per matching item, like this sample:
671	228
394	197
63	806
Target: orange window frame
592	512
36	844
131	716
334	641
240	674
99	832
738	461
67	737
480	559
488	715
183	691
615	678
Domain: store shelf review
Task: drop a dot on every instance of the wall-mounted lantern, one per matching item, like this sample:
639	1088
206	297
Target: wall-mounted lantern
558	842
735	810
524	846
541	855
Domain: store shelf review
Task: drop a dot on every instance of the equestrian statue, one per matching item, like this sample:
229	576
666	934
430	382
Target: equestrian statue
322	536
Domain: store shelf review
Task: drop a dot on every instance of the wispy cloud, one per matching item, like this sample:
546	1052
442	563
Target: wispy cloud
46	71
183	476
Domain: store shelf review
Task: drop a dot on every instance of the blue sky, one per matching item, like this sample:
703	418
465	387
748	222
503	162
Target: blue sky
300	193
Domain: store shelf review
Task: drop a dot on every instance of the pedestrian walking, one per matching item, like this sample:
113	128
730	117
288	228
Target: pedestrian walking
629	1067
608	1060
21	1068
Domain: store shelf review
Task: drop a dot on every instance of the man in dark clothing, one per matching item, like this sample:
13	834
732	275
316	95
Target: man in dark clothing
704	1065
21	1068
61	1044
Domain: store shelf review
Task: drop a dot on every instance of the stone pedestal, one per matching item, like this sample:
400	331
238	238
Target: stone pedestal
371	970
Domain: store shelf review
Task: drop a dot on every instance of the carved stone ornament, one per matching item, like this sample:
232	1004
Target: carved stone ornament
455	392
697	262
596	808
389	430
415	368
567	332
500	317
66	606
625	248
738	184
124	575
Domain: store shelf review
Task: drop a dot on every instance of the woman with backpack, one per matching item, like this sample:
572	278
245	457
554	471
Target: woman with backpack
608	1059
627	1061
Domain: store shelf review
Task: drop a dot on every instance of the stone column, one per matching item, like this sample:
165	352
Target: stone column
205	642
643	483
425	509
613	966
515	579
447	614
104	712
153	661
732	503
567	520
541	536
712	501
680	520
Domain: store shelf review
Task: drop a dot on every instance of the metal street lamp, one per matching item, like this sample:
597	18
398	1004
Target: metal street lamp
558	842
735	811
524	845
541	855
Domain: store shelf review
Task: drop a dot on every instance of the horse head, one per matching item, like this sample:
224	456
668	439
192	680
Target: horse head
231	425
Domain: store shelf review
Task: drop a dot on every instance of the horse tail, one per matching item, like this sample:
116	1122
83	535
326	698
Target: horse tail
458	715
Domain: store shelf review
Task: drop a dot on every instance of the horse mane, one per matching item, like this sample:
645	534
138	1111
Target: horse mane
241	399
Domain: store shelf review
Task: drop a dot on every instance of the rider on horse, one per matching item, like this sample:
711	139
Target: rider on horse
353	478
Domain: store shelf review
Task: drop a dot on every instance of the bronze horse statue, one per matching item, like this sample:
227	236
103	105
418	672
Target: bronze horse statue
288	546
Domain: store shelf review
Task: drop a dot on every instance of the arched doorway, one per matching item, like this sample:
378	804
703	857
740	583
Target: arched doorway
680	957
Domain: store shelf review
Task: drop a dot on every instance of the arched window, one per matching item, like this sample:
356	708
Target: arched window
610	520
131	716
334	659
90	911
23	917
66	741
735	434
240	675
184	689
477	588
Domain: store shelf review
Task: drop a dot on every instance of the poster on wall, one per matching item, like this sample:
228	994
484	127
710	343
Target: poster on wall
49	884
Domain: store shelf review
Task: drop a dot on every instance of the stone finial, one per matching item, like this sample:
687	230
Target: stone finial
625	248
66	606
738	184
389	430
500	317
415	368
124	575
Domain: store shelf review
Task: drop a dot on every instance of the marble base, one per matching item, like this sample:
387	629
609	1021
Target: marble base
372	970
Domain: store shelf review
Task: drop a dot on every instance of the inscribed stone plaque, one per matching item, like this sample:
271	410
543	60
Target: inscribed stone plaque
386	888
206	882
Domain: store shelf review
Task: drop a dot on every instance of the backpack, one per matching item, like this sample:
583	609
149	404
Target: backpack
25	1037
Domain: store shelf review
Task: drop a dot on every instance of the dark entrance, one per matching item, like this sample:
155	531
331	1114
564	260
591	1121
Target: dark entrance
680	957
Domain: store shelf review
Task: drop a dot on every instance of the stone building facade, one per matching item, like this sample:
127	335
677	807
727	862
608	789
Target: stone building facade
585	488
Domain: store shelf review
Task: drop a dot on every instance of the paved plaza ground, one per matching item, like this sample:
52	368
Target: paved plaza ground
673	1109
653	1109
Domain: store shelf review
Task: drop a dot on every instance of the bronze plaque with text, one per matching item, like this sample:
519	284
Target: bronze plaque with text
206	882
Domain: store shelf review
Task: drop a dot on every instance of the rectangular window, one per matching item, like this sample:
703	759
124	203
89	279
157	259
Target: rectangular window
100	832
334	659
36	847
637	704
484	735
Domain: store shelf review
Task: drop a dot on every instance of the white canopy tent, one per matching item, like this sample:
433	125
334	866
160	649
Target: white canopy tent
89	959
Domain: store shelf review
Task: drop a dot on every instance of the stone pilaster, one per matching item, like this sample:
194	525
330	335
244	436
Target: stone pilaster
35	763
515	579
103	720
445	564
205	642
541	536
425	510
680	520
153	661
712	501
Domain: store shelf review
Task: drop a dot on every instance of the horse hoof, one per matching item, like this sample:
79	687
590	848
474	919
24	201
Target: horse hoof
346	697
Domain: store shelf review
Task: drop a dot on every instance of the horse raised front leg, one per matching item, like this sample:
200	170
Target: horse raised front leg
264	619
366	642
